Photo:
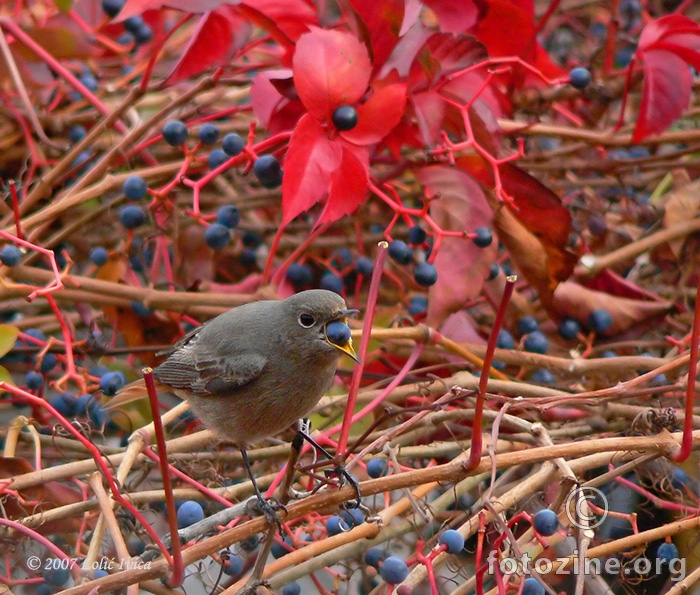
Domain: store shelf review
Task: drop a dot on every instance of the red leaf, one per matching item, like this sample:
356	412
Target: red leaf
462	266
383	23
456	16
217	37
291	17
331	68
308	166
348	184
264	96
134	7
665	93
429	109
508	29
444	54
666	46
378	115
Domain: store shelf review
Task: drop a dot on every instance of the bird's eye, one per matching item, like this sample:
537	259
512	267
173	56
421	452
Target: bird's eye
306	320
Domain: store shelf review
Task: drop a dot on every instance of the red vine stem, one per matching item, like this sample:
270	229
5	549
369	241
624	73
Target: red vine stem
382	252
477	441
687	442
178	569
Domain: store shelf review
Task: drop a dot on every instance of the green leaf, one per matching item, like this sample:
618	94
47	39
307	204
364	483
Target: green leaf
5	377
64	5
8	336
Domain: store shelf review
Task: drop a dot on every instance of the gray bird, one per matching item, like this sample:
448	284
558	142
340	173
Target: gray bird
256	369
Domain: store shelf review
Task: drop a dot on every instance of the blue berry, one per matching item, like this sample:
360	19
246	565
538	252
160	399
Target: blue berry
417	305
76	133
282	548
505	340
338	333
536	343
493	271
174	131
377	467
112	7
251	239
216	158
228	215
568	329
83	404
545	522
291	589
532	587
35	333
44	589
667	552
393	570
189	513
217	236
425	274
135	545
364	266
132	24
331	282
34	380
353	517
64	403
132	216
344	117
135	188
580	77
55	572
335	525
416	235
300	275
483	237
399	252
233	144
374	556
100	573
248	257
111	382
453	540
528	324
99	255
233	566
599	321
48	362
341	258
542	376
209	133
89	81
141	310
268	171
143	34
10	255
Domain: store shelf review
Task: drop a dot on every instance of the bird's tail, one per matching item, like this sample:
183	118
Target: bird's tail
132	392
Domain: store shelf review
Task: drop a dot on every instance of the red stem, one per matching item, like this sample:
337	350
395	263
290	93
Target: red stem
178	569
477	442
364	345
687	443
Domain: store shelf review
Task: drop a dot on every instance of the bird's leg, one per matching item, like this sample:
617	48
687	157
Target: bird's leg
267	507
338	468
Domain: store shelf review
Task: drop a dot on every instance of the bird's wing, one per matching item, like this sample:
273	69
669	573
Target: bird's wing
206	373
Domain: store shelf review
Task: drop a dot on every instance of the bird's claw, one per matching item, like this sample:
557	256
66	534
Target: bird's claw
346	477
268	508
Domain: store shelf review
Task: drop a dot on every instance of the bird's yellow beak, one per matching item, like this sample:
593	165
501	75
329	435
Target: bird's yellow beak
346	347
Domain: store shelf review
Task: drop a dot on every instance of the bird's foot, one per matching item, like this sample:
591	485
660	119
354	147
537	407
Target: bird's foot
345	476
268	508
